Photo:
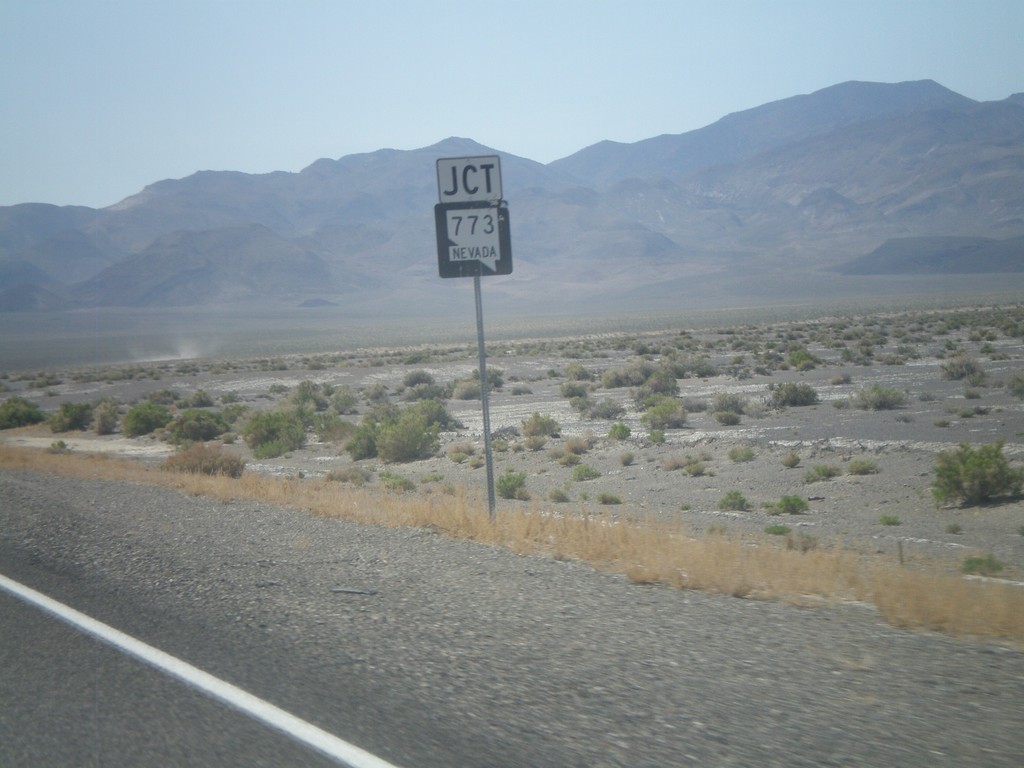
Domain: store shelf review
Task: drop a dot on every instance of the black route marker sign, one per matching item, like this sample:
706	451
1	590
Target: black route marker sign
473	239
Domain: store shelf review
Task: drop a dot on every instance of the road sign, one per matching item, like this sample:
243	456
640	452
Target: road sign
469	179
472	239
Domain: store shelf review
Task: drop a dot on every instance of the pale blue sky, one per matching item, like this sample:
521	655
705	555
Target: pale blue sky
100	97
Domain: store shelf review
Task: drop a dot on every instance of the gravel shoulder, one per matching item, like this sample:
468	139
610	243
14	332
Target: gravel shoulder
439	653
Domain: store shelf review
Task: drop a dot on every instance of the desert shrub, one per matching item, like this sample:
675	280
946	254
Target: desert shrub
879	398
395	482
541	425
164	397
727	418
657	436
821	472
777	530
632	375
195	424
792	394
741	453
981	565
558	496
861	467
363	443
729	402
583	472
145	418
801	359
788	505
567	459
411	437
791	460
608	498
331	428
625	459
576	372
71	416
415	378
343	401
273	433
198	399
571	389
672	463
695	469
19	412
1016	385
205	460
605	408
58	447
962	366
577	445
971	476
535	442
890	520
664	412
734	501
512	485
434	412
353	475
105	417
618	431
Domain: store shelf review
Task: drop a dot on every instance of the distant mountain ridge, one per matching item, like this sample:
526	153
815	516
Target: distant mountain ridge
813	182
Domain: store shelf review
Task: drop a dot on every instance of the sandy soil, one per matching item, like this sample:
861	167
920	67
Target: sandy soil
907	354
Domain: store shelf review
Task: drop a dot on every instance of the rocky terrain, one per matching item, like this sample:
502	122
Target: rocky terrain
863	465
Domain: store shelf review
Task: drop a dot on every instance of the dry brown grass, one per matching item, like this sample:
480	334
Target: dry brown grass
646	551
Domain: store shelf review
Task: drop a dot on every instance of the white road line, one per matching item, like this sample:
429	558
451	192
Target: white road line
298	729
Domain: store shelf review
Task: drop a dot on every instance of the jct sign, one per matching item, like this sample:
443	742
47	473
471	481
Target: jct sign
471	221
468	179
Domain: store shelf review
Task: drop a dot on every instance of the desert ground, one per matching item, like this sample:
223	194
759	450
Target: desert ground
865	468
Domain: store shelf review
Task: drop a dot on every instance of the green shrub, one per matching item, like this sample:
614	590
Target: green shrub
573	389
19	412
273	433
198	399
105	416
71	416
1016	385
729	402
331	428
734	501
788	505
821	472
145	418
558	496
890	520
657	436
618	431
971	476
353	475
411	437
625	459
204	460
954	528
962	366
195	425
512	485
396	483
879	398
608	498
792	394
741	453
981	565
777	530
727	418
545	426
582	472
664	412
861	467
791	460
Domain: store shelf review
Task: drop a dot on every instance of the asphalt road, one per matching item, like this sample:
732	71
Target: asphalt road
429	652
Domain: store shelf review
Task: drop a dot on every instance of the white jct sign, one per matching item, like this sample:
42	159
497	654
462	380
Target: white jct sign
469	179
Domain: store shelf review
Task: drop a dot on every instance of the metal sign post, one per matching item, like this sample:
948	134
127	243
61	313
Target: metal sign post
473	240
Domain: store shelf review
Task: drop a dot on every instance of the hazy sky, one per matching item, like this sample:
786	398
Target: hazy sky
100	97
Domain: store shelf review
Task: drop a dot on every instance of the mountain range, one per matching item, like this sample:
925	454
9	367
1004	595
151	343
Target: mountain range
858	179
